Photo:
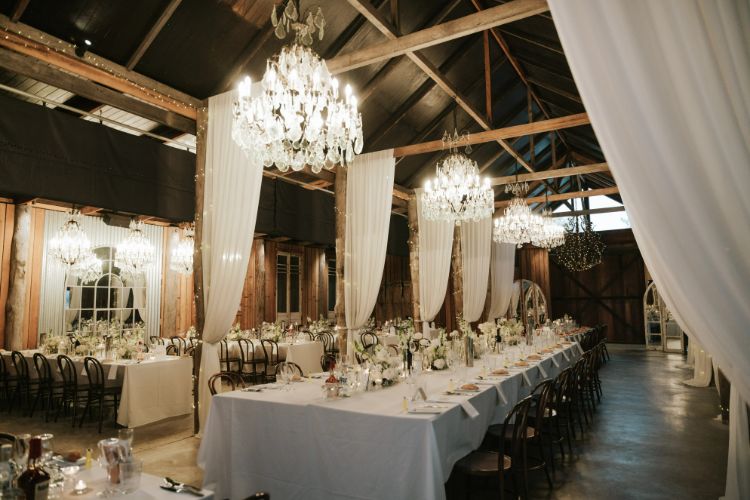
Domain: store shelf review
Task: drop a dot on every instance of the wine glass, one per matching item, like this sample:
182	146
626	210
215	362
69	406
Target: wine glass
21	450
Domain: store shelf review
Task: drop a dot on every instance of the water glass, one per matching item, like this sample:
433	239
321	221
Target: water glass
129	476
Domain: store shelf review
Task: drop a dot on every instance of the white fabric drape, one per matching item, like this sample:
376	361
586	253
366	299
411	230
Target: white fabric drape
435	245
667	87
514	298
476	244
502	269
369	188
702	366
230	207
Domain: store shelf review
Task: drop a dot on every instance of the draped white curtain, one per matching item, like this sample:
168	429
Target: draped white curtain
435	245
476	242
369	189
502	268
514	298
667	87
232	191
702	366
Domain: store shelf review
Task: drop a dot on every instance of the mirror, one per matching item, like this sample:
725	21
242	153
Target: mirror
533	307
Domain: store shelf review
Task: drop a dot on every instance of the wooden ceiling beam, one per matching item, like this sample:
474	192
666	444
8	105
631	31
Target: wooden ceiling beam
562	122
153	33
593	211
565	196
19	9
29	41
551	174
445	32
34	68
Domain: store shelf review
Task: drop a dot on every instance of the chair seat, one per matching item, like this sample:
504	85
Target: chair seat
496	431
482	463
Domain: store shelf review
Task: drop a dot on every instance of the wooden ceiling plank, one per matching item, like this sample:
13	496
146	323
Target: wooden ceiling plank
24	39
565	196
33	68
593	211
551	174
450	30
153	33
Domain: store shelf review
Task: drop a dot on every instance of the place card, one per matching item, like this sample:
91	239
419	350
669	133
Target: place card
526	378
469	408
580	349
112	375
565	353
542	370
501	394
555	361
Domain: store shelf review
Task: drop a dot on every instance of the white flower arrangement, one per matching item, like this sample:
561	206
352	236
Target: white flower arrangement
191	333
271	331
319	326
127	346
511	331
389	366
236	333
52	343
489	328
652	312
465	327
405	332
437	351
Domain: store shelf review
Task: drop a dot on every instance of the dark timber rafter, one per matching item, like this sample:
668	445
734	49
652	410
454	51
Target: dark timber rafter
153	33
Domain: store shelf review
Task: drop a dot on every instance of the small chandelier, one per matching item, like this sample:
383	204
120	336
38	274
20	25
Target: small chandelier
70	244
551	235
457	193
88	268
583	247
299	118
519	224
182	253
135	253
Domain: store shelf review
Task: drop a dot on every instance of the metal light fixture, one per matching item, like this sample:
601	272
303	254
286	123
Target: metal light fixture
182	253
88	268
583	247
518	224
135	253
70	244
551	235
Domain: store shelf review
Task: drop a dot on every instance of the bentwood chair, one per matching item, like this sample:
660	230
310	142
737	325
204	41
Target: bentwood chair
328	342
48	389
295	368
156	340
70	388
232	379
369	340
179	343
510	454
172	350
249	364
7	382
25	385
98	392
539	428
227	361
271	358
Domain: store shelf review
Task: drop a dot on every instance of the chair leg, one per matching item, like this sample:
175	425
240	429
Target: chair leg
86	410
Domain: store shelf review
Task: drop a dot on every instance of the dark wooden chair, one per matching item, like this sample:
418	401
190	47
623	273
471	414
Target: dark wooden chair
98	393
48	389
69	399
26	387
271	357
295	367
230	378
510	454
180	343
172	350
249	364
328	341
227	362
369	340
8	382
156	340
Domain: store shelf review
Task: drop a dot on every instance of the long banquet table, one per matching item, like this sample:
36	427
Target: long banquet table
306	354
297	445
152	389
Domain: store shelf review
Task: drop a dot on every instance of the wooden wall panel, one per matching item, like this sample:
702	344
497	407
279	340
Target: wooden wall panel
394	296
611	293
534	266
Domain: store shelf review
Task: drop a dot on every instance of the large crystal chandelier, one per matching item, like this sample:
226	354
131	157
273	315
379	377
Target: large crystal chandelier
519	224
457	193
70	244
583	247
88	268
550	235
299	118
135	253
182	253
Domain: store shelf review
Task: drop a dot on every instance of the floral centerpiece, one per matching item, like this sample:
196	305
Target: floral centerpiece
127	346
405	332
236	333
319	326
436	353
511	331
53	342
384	367
192	332
489	328
271	331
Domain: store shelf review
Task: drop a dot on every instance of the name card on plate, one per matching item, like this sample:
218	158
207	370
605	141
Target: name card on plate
469	408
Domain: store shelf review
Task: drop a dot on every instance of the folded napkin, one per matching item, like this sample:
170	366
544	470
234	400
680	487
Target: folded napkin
469	408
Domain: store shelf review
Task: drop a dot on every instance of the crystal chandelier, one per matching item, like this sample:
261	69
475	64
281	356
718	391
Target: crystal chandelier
182	253
551	235
299	118
457	193
583	247
88	268
519	224
135	253
70	244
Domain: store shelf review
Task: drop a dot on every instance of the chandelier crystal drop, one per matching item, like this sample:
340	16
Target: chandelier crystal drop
519	224
182	253
583	247
135	253
457	193
70	244
299	118
88	268
551	234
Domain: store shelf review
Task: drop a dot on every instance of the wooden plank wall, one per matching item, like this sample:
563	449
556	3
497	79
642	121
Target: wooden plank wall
610	293
534	265
394	296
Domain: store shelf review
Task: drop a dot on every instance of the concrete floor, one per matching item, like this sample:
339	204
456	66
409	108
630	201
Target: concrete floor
653	438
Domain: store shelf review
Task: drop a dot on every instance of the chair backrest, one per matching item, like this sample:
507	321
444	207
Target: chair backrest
156	340
515	426
270	352
95	372
178	342
368	340
247	351
20	364
67	370
393	350
43	369
328	362
172	350
233	379
327	339
297	369
6	438
3	368
542	393
223	349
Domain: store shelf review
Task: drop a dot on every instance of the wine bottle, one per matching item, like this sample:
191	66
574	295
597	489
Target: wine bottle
34	482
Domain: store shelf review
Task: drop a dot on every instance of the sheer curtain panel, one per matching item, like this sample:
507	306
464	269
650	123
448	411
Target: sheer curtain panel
230	207
435	245
369	189
502	268
476	241
667	87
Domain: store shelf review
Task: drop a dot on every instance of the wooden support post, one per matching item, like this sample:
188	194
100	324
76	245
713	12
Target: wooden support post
487	77
457	267
259	255
200	311
339	187
15	309
169	286
414	261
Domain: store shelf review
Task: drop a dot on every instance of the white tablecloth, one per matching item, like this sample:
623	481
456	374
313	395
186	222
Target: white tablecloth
296	445
96	481
306	354
155	390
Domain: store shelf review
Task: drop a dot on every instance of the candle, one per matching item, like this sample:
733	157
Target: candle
80	487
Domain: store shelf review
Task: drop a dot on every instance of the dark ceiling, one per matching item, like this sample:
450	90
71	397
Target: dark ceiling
208	44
